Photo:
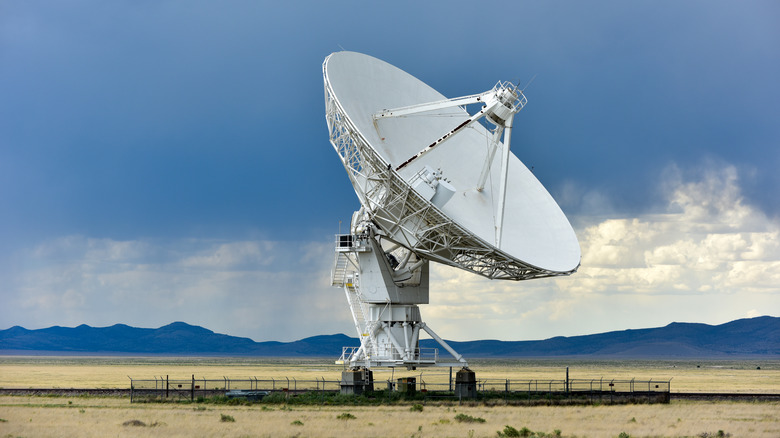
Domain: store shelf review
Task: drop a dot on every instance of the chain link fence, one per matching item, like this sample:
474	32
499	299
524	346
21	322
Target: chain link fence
596	390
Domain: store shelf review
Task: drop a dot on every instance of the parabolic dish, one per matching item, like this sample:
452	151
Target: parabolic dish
537	241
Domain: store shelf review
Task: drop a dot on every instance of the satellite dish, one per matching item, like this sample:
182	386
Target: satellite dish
435	184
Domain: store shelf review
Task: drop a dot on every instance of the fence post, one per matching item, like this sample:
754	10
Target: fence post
612	391
192	389
591	391
167	386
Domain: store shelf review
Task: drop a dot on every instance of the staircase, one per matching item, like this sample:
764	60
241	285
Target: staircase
338	275
359	312
346	274
355	304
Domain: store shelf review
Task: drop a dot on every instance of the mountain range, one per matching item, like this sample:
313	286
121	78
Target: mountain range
752	337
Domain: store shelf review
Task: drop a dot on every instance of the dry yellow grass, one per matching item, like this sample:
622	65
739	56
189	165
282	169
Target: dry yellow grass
113	372
685	375
88	417
100	417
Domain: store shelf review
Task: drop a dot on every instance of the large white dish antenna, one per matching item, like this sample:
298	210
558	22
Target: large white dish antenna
454	222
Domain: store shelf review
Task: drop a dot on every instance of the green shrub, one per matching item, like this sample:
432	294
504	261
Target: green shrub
416	408
463	418
226	418
719	434
275	397
345	416
297	423
509	431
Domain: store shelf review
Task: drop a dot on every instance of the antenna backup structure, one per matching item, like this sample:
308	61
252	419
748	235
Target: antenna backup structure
434	185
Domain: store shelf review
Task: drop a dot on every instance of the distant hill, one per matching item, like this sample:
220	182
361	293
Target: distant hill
751	337
178	338
754	337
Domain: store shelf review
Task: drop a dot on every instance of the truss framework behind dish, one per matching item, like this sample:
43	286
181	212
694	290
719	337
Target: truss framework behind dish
406	217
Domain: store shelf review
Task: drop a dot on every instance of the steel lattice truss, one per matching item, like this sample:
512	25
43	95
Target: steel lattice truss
407	218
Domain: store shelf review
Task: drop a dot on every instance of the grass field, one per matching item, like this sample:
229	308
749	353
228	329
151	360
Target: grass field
113	372
98	417
101	417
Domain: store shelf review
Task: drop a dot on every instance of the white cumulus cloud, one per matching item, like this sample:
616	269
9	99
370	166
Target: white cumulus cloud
704	256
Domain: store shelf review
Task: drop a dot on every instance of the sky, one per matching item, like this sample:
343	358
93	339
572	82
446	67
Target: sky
168	161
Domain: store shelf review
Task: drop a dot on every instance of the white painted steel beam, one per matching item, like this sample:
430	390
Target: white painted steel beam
493	142
433	106
502	185
443	343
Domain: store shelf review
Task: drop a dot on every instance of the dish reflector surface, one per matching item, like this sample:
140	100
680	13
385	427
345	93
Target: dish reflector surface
536	232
